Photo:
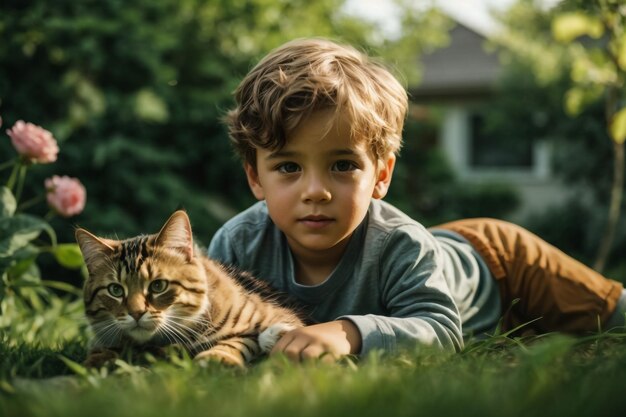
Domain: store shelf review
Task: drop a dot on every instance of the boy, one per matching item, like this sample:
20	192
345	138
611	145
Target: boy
318	126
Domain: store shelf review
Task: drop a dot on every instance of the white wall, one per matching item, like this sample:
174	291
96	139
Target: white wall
537	188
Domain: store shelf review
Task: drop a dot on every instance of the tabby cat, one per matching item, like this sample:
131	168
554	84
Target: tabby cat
156	290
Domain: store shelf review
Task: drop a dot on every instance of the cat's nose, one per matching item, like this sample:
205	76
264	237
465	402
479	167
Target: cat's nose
136	314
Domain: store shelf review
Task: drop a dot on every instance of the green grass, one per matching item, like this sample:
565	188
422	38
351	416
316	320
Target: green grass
551	375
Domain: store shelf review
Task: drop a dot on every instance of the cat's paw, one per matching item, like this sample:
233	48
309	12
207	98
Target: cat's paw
97	358
221	356
269	336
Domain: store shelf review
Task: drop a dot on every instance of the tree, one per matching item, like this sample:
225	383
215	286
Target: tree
572	53
599	71
134	92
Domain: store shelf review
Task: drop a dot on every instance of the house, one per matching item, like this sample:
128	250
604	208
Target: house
460	79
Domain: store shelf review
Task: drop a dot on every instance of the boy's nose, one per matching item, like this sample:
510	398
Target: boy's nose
315	190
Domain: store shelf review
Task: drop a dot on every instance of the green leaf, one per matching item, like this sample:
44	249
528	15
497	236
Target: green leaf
6	385
68	255
17	231
574	100
150	107
617	128
22	260
24	274
569	26
593	68
7	202
63	286
75	367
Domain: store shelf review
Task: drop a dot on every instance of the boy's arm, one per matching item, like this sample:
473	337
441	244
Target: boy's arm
414	291
415	294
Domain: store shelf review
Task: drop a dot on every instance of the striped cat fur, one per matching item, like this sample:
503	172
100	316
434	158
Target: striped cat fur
158	290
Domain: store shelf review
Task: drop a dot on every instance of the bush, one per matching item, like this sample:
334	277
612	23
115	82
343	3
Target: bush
23	290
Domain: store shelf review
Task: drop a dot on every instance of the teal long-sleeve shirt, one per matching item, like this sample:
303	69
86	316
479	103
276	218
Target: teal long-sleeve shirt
391	281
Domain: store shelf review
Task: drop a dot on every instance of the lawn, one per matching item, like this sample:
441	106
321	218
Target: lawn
551	375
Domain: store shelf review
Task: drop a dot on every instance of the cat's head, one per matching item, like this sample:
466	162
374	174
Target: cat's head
147	289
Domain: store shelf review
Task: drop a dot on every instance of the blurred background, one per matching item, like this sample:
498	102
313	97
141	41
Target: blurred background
509	115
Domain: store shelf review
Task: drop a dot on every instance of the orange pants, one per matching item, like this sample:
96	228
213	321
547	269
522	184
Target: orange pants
560	292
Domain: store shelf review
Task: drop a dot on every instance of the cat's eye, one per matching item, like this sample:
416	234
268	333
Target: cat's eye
116	290
158	286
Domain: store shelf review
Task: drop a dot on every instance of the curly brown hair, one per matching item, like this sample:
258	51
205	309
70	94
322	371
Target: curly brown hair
305	75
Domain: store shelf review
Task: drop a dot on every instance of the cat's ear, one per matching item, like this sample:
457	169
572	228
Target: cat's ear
176	234
94	249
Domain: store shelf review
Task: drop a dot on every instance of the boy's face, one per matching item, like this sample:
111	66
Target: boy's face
319	185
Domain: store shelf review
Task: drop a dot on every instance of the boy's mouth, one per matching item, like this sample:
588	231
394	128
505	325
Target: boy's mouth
316	221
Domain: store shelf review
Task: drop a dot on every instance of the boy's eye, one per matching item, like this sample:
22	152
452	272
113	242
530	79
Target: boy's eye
288	168
344	166
158	286
116	290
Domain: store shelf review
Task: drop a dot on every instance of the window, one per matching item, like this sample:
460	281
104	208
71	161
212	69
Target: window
478	152
488	149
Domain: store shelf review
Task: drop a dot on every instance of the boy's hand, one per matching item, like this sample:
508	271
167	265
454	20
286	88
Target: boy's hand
332	340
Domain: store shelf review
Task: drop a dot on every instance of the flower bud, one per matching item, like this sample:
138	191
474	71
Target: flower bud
33	142
65	195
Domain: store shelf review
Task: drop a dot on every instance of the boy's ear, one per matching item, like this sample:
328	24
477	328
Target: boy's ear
253	181
385	172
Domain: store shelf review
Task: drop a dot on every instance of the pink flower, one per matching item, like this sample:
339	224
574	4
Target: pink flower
65	195
33	142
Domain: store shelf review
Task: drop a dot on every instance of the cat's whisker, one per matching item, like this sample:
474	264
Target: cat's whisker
199	320
186	328
108	333
162	331
206	338
107	338
104	326
198	325
183	330
171	338
177	335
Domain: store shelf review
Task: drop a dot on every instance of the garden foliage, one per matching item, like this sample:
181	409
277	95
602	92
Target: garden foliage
135	93
24	294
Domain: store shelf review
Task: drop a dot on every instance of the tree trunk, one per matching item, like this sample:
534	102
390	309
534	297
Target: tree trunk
614	208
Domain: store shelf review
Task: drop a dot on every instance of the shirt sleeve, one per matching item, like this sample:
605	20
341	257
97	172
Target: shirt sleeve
416	295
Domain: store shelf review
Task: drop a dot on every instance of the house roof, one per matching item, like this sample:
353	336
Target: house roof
463	69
